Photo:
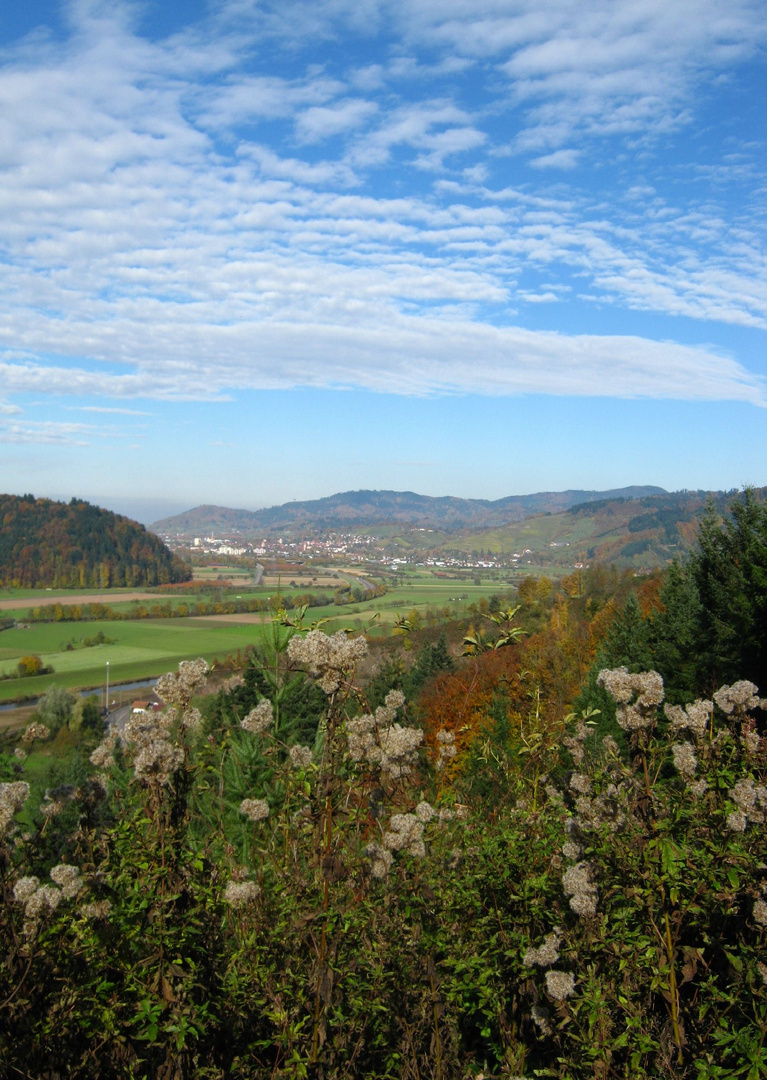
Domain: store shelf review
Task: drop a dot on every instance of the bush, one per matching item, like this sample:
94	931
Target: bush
231	902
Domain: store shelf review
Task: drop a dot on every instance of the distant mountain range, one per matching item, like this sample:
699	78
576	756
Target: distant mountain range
639	533
364	509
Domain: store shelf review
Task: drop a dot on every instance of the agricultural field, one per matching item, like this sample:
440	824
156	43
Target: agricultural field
147	647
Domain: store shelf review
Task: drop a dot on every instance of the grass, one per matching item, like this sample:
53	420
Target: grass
148	647
141	649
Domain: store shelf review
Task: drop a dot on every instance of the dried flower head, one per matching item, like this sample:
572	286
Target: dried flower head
446	749
541	1017
177	688
329	658
751	739
405	832
239	894
694	717
575	740
738	698
760	912
35	731
750	799
381	860
96	909
547	953
300	756
578	885
377	742
259	718
38	903
560	985
637	696
580	783
737	821
698	788
12	798
425	812
685	761
255	809
158	761
24	888
102	756
68	879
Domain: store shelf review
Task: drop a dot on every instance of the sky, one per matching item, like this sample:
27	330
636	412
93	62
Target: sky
262	250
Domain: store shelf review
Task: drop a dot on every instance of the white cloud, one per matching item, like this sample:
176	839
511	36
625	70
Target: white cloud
323	123
560	159
47	433
161	241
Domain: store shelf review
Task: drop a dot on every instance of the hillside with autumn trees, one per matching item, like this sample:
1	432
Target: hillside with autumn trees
77	545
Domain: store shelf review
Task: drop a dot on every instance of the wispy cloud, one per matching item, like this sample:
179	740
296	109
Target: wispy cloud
233	207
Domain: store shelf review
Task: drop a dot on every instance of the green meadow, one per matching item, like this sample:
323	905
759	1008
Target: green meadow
148	647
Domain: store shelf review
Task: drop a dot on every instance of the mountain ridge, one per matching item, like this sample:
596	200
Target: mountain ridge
366	507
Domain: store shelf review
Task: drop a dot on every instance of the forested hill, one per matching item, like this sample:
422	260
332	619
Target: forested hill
368	508
77	545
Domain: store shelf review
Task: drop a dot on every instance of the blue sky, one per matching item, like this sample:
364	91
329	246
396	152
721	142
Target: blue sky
255	251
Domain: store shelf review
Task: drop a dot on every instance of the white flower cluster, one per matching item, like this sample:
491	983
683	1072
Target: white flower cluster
239	894
685	761
35	731
575	741
382	860
102	756
255	809
329	659
760	912
12	798
446	749
68	879
259	718
547	954
693	717
698	788
405	833
377	742
300	756
751	802
606	810
560	984
541	1016
647	689
751	739
580	783
581	889
177	688
96	909
425	812
156	757
738	698
39	899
